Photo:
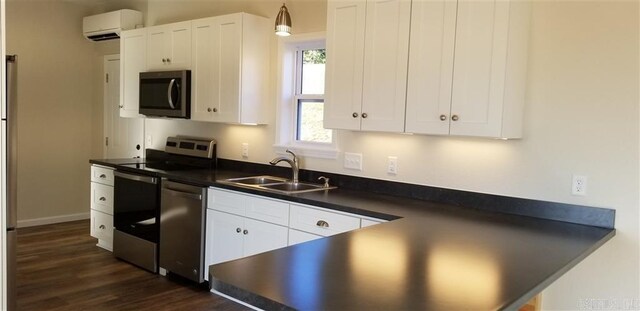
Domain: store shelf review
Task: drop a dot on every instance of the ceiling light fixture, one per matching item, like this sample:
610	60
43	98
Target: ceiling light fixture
283	22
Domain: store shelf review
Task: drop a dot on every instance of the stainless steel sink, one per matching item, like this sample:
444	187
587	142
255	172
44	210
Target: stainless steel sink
275	184
257	180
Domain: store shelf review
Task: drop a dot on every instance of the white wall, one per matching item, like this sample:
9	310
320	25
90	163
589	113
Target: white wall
55	106
581	118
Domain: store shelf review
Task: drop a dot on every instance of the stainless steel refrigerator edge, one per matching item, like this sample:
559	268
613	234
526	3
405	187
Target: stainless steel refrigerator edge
9	129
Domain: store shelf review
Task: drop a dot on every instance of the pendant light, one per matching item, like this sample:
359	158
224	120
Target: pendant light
283	22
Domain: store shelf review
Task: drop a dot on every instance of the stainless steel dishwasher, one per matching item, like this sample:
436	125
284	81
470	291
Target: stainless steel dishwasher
182	225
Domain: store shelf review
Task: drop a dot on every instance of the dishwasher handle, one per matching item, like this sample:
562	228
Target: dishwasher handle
178	193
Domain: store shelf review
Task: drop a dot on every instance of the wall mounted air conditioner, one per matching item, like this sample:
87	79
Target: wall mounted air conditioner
108	26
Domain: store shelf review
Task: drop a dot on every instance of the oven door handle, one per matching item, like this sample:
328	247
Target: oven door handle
147	179
178	193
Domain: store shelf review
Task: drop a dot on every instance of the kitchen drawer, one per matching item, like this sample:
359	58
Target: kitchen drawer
102	175
297	237
102	229
226	201
275	212
102	198
321	222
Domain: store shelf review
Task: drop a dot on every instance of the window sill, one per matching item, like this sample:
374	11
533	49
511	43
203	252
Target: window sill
312	151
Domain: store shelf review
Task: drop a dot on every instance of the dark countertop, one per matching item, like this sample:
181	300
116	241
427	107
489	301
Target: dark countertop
437	257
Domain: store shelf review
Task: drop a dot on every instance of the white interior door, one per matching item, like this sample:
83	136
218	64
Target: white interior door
124	137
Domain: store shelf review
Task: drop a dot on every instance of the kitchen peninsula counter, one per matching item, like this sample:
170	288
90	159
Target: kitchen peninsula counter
431	256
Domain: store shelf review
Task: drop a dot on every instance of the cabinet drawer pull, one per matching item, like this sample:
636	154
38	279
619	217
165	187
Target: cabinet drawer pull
103	176
103	199
245	231
455	117
322	223
238	230
443	117
102	227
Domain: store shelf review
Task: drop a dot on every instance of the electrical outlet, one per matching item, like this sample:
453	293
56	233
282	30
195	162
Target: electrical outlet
245	150
579	185
353	161
392	165
149	141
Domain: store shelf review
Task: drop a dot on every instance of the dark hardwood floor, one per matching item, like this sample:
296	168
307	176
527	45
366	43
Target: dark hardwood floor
60	268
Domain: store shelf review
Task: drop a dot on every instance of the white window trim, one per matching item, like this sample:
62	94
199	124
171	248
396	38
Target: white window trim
286	113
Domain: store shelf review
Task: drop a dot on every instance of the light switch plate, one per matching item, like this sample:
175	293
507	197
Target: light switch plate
245	150
392	165
353	161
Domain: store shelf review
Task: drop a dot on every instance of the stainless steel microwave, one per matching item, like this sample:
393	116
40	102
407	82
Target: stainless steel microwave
165	94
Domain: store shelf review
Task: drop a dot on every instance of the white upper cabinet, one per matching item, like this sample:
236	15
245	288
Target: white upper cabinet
169	46
367	51
480	90
433	32
230	55
133	49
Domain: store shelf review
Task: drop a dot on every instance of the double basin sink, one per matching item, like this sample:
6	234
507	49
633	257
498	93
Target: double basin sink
275	184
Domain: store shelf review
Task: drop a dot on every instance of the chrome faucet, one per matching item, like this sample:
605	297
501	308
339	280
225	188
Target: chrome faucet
293	162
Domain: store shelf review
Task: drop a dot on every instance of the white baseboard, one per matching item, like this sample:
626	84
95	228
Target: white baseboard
52	220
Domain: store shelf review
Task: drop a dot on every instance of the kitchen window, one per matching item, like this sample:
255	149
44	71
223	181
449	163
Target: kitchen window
301	97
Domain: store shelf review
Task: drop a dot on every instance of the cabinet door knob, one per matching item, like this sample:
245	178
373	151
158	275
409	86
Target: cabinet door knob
443	117
168	60
245	231
103	176
238	230
102	227
215	109
355	114
364	115
103	199
164	60
121	106
209	109
322	223
454	117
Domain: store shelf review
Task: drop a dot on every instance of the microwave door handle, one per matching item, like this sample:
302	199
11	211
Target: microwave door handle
169	98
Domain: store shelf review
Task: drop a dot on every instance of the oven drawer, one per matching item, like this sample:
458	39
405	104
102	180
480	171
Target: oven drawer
321	222
102	198
102	175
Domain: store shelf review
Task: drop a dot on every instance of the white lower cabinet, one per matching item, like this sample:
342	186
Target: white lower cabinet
102	206
297	237
241	225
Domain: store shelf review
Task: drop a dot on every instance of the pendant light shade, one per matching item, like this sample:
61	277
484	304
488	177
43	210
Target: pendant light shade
283	22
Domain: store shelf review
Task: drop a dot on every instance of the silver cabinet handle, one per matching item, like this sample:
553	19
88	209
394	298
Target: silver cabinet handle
355	114
103	199
443	117
364	115
173	81
102	227
245	231
238	230
322	223
103	176
454	117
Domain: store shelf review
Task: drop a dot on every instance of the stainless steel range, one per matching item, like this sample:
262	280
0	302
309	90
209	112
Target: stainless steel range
142	204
